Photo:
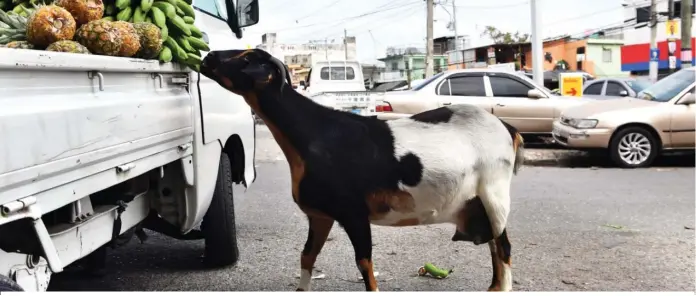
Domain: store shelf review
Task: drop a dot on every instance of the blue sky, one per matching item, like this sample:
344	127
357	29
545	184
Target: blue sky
378	24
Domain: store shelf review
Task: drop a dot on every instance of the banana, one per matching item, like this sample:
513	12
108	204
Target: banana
166	8
138	15
122	4
165	55
158	17
197	43
195	32
179	23
188	10
189	20
145	5
125	14
183	43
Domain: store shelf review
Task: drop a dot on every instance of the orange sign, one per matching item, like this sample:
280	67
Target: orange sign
571	84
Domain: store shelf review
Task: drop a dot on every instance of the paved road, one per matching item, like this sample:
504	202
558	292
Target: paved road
570	229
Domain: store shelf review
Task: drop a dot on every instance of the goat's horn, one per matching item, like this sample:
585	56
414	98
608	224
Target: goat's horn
284	73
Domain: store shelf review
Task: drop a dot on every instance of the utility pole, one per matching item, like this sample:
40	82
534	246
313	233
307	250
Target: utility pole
652	23
537	44
456	36
671	39
345	42
686	6
429	40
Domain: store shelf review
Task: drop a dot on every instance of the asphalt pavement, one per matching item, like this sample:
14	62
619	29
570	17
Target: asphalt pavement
570	228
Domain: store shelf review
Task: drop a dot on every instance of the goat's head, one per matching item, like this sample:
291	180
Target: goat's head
242	71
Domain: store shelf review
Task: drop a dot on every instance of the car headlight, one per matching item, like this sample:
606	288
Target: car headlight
583	123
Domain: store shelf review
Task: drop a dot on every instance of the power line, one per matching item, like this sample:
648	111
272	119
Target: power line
594	13
372	12
318	10
338	25
493	6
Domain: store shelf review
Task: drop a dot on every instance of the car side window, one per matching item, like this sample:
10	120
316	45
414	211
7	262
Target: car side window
613	89
208	6
594	89
507	87
463	86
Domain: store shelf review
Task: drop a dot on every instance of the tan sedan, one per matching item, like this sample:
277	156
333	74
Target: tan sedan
635	130
514	98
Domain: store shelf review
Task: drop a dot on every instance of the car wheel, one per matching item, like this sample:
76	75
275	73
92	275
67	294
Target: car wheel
218	226
633	147
8	285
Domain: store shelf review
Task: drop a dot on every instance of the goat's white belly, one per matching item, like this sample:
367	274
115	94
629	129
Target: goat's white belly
436	201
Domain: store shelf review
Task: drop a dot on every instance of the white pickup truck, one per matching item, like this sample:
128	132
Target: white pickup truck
94	149
340	85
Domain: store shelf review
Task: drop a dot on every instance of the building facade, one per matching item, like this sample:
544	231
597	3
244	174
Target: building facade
301	57
635	53
400	62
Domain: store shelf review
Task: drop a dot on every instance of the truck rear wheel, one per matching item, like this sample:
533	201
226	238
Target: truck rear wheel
8	285
219	226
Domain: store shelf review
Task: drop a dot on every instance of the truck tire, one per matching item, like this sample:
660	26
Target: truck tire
8	285
218	226
633	147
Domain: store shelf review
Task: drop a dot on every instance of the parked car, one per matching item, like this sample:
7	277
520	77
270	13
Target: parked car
516	99
635	130
603	88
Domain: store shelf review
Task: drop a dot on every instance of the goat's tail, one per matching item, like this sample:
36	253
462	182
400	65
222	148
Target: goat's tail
518	146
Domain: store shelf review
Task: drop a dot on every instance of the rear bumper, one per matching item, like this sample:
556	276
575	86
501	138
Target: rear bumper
571	137
391	115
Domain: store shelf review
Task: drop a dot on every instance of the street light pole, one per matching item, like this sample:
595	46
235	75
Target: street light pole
537	45
456	36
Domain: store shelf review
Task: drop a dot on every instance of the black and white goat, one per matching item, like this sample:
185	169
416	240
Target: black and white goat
448	165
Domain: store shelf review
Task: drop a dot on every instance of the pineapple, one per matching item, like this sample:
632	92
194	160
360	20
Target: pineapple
100	37
131	41
84	11
150	40
49	24
19	45
68	46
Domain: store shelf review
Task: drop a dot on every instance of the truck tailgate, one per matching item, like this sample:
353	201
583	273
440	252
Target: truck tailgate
55	119
358	102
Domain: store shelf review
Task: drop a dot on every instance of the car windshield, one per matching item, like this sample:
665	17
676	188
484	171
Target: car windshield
427	81
638	85
665	89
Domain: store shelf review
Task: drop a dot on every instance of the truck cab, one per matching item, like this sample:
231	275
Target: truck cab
94	149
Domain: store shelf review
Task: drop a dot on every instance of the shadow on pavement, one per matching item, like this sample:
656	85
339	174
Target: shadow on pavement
601	159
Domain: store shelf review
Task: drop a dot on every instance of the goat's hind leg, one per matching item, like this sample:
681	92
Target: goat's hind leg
502	264
319	228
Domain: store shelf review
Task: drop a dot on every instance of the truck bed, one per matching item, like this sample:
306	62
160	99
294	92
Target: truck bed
58	125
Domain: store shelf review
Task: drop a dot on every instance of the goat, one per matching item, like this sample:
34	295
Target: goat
448	165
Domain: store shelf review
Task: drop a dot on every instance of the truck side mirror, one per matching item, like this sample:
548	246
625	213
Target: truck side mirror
245	14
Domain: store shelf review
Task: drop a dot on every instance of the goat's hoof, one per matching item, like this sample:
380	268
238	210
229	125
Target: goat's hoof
299	290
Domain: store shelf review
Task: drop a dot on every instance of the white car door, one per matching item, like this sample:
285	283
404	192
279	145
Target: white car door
512	104
464	88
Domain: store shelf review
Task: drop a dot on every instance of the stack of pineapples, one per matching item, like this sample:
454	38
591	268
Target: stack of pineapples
114	29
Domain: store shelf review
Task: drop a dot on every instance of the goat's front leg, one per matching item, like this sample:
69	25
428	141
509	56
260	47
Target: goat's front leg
319	229
502	264
360	235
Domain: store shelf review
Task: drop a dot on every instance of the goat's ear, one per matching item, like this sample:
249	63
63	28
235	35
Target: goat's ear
260	74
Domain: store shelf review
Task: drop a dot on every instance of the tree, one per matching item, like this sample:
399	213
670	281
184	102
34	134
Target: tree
500	37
